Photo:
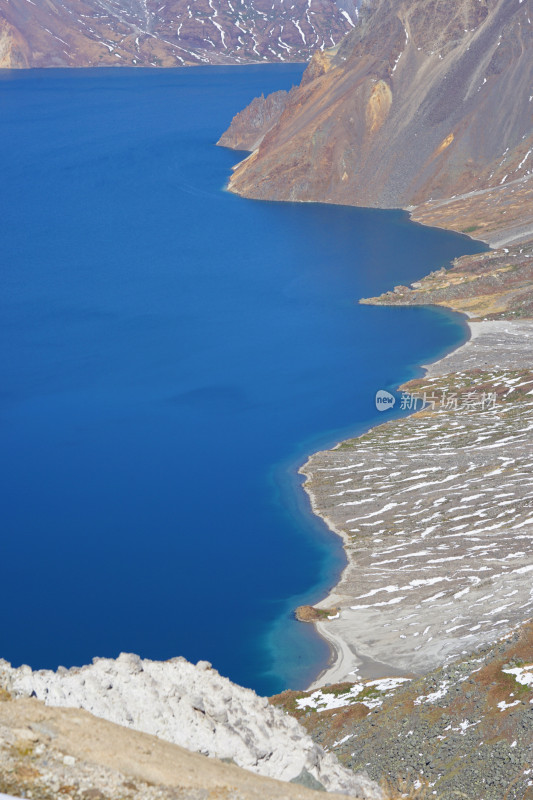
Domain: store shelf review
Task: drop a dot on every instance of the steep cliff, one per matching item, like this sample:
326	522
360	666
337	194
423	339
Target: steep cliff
250	125
423	100
84	33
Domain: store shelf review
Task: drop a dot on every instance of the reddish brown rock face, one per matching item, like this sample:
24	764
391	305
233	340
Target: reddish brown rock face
13	50
250	126
78	33
424	99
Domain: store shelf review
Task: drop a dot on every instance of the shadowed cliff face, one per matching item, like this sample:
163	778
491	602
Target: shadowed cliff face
425	99
75	33
251	124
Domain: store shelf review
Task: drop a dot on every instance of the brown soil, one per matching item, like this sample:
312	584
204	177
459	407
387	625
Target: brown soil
50	753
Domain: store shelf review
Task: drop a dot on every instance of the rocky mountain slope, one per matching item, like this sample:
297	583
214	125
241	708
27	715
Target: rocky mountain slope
423	100
194	707
463	731
86	33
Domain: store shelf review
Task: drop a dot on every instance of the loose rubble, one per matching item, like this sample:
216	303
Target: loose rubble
464	730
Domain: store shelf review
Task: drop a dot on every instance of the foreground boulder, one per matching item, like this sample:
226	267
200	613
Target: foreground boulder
195	707
48	753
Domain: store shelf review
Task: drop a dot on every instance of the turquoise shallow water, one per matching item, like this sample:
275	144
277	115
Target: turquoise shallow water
169	355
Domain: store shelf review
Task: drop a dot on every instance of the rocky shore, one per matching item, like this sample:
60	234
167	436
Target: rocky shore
436	510
464	730
424	106
436	514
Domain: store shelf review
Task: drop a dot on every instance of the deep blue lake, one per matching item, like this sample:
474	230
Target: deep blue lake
170	353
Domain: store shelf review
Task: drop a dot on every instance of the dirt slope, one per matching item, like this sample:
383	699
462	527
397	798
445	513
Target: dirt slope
50	753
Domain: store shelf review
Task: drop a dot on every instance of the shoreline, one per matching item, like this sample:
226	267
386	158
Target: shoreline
342	658
151	67
488	342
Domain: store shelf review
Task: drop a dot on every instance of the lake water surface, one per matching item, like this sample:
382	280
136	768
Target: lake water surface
169	355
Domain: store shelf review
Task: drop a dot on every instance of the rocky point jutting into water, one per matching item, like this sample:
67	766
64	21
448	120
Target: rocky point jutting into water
424	100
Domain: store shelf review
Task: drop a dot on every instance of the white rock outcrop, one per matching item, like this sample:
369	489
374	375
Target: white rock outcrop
195	707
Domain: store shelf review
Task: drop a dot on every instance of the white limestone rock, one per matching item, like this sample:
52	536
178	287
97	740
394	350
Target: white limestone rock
192	706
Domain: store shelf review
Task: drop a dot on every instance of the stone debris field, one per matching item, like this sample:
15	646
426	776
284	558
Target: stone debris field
436	512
